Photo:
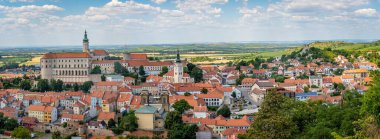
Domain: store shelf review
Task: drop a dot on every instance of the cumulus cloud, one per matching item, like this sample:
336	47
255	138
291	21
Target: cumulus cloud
366	12
158	1
189	20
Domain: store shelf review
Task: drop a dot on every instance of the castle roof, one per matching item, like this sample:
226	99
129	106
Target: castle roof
66	55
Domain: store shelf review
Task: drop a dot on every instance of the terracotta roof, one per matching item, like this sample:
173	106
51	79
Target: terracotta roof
73	116
336	79
49	109
326	98
355	71
188	89
137	63
66	55
29	120
99	52
136	100
36	108
73	93
128	78
248	81
233	131
124	97
138	56
154	78
125	89
189	99
108	83
211	95
347	77
106	116
200	109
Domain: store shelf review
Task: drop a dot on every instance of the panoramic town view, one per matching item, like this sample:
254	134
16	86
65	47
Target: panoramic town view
189	69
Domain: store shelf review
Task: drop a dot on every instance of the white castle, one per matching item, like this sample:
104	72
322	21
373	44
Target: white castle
75	67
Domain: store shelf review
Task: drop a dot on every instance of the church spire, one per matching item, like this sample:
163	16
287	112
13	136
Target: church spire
86	48
178	60
85	39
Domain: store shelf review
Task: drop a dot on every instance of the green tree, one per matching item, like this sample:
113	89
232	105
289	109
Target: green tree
103	78
204	91
43	85
111	123
10	124
142	71
59	85
264	66
371	99
190	67
173	118
224	111
56	135
21	133
52	84
271	122
181	131
86	86
129	122
119	68
117	130
240	79
165	70
25	85
306	89
76	87
96	70
197	74
181	106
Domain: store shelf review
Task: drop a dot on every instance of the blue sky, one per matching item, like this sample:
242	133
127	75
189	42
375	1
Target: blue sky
62	22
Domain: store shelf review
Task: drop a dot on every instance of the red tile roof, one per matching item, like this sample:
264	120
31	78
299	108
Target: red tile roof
66	55
138	56
106	116
108	83
99	52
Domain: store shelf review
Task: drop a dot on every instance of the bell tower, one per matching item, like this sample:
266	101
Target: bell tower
144	97
86	48
164	100
178	69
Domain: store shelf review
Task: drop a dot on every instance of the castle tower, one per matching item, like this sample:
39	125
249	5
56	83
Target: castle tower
178	69
86	48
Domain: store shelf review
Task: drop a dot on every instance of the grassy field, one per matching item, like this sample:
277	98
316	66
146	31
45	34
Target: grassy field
35	60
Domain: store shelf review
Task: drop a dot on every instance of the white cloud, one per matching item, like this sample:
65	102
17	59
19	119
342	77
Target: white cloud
158	1
366	12
200	6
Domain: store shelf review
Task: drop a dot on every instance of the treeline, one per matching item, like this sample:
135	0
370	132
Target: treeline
356	116
44	85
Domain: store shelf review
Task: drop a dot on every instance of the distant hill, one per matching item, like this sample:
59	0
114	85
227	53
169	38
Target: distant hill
340	45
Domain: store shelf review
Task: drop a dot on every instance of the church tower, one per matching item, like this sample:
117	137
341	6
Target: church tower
178	69
86	48
164	100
